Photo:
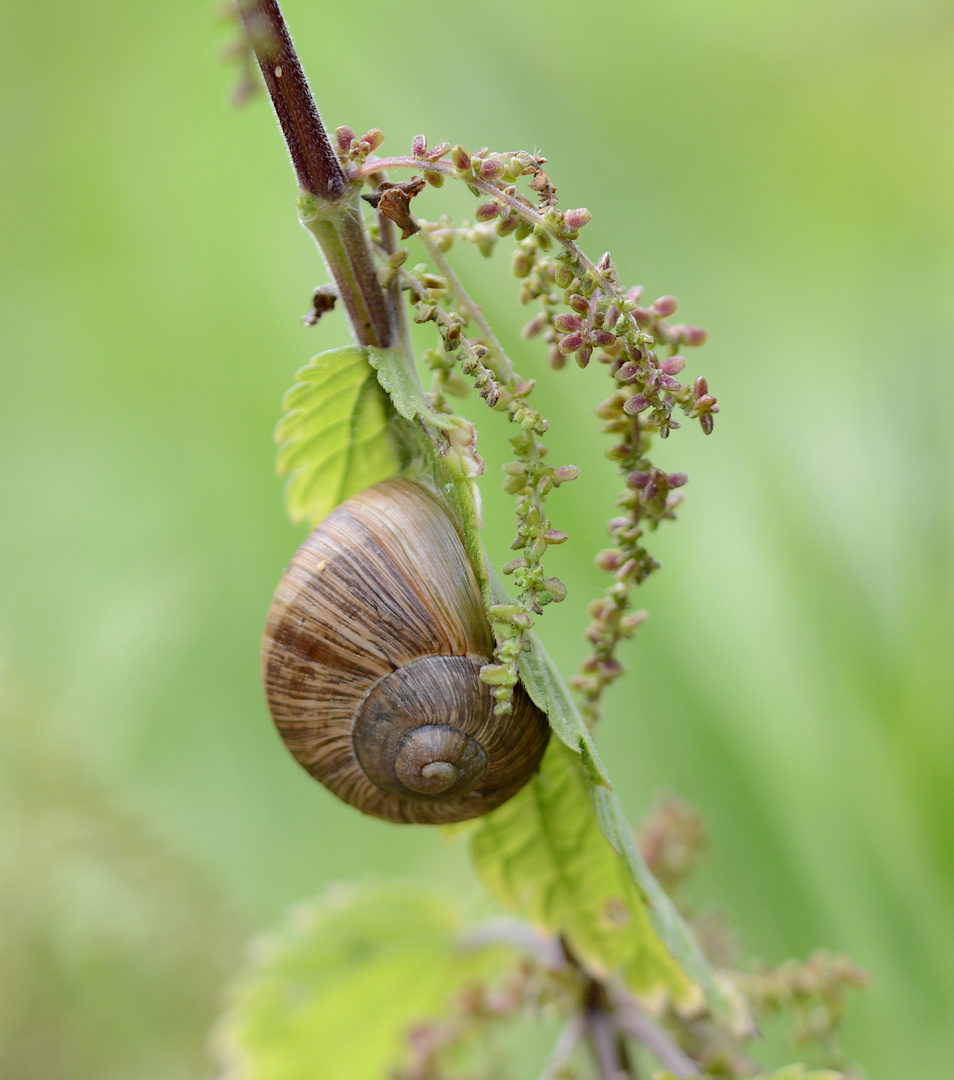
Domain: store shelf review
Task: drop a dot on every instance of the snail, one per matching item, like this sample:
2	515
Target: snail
371	656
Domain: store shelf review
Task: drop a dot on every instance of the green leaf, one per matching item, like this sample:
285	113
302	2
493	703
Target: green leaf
546	687
335	436
543	682
398	375
544	853
334	993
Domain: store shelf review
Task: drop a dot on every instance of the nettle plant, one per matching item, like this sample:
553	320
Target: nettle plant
404	674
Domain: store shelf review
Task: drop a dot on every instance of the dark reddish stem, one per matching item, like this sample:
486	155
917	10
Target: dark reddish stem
334	222
312	154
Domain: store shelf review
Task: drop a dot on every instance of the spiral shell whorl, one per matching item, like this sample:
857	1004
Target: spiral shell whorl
371	658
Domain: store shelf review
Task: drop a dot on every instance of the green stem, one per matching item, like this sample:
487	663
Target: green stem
504	366
343	239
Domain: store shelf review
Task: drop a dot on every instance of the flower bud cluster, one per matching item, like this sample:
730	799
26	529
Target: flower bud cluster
813	991
352	150
530	479
673	841
584	313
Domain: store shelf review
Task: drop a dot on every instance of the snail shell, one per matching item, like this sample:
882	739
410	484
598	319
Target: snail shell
372	651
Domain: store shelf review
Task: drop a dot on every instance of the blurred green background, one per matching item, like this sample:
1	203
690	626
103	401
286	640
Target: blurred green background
786	169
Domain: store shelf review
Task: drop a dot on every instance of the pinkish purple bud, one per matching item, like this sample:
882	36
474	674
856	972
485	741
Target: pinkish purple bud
635	293
628	372
603	338
373	138
673	365
344	136
643	316
461	159
487	211
599	608
695	335
611	667
419	146
491	169
605	263
609	559
555	588
706	422
567	323
576	219
565	473
571	343
635	404
612	315
583	356
534	326
438	152
555	536
668	382
665	306
627	570
677	479
701	387
614	525
579	304
637	480
633	620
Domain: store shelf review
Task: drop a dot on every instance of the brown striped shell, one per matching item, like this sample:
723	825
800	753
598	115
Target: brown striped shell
372	650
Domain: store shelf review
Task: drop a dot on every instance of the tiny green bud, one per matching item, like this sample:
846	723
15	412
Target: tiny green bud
522	263
515	564
497	675
564	275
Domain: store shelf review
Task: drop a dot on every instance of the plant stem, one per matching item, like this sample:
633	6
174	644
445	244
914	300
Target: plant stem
601	1029
328	204
633	1021
504	366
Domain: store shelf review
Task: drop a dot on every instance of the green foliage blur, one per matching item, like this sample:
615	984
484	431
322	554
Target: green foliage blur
785	169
